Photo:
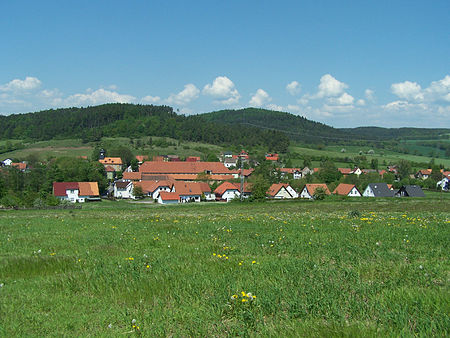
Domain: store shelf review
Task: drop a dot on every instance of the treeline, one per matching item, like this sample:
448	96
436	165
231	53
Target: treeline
129	120
299	128
33	187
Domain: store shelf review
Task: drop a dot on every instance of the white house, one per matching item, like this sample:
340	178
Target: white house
165	197
344	189
227	191
279	191
230	162
123	189
76	191
309	190
7	162
378	190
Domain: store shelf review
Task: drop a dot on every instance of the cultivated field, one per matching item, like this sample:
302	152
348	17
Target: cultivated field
353	268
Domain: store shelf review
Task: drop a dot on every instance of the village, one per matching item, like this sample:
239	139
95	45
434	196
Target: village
169	179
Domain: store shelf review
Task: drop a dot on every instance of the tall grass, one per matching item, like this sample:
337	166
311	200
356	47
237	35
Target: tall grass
315	270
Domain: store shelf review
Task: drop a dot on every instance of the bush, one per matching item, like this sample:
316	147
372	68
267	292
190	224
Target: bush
354	214
319	194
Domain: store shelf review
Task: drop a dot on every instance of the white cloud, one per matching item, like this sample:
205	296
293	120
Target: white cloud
151	99
188	94
293	88
370	95
405	106
99	96
223	89
304	100
408	90
275	107
361	102
439	90
260	98
29	83
293	108
329	86
344	99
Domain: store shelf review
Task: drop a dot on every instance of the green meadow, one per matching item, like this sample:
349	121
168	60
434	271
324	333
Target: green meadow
301	268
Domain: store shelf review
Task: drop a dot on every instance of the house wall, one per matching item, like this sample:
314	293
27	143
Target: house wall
124	192
282	193
230	194
368	192
354	193
305	193
189	198
156	192
292	192
160	201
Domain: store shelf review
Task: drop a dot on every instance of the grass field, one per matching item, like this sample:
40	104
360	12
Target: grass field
354	268
352	151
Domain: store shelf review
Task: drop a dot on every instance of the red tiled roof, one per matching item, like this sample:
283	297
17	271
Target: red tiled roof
59	188
425	171
88	189
204	187
188	188
85	188
343	189
155	167
169	196
110	169
111	160
141	158
151	186
290	170
247	172
193	159
220	190
312	188
275	188
20	166
345	171
132	176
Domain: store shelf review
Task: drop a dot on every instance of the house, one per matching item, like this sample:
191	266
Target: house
423	174
230	162
76	191
22	166
246	172
189	171
272	157
348	171
188	191
410	191
110	172
307	171
193	159
247	189
344	189
153	188
123	189
165	197
206	191
310	189
114	162
281	191
227	191
131	176
295	172
378	190
7	162
141	158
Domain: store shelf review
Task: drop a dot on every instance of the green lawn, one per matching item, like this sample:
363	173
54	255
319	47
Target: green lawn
182	270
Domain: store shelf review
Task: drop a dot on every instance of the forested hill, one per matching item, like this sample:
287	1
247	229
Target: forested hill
130	120
300	128
296	127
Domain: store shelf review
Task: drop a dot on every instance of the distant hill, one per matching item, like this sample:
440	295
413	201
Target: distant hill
300	128
130	120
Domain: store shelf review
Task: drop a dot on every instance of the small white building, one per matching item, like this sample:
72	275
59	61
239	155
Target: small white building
344	189
227	191
378	190
309	190
279	191
123	189
7	162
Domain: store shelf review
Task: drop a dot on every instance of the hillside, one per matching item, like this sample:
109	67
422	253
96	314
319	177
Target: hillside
129	120
300	128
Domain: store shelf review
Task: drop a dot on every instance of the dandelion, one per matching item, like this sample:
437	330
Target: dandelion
253	262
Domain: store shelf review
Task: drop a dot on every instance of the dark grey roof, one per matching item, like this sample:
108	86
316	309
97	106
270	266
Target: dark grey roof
381	190
121	184
411	191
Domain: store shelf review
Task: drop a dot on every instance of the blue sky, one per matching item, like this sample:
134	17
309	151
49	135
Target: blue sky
343	63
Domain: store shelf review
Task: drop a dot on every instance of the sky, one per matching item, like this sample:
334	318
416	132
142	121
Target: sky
343	63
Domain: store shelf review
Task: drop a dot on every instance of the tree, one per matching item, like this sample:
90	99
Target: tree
138	192
328	172
259	187
134	164
307	162
374	163
319	194
403	169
